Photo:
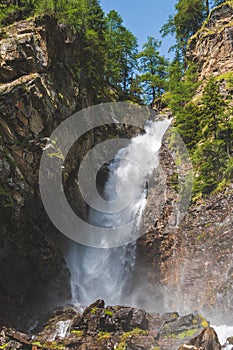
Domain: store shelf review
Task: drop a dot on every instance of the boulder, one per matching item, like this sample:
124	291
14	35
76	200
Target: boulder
207	340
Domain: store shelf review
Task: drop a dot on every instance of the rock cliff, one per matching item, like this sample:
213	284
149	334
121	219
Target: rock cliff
37	91
211	48
191	266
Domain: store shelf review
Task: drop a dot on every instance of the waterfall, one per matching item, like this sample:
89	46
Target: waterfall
104	273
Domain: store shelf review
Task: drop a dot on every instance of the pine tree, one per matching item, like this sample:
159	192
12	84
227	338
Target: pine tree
181	87
153	69
213	107
186	21
121	52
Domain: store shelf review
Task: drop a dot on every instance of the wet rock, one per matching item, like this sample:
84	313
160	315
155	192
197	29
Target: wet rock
207	340
129	328
230	340
188	347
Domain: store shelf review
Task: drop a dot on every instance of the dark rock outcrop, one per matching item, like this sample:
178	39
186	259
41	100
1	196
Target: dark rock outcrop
108	328
37	92
207	340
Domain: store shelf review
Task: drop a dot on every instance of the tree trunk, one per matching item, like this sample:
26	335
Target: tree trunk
207	7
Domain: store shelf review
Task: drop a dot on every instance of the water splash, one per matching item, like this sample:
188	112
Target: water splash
223	333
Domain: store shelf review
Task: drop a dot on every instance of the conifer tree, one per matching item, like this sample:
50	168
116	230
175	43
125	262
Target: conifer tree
121	52
186	21
213	107
153	69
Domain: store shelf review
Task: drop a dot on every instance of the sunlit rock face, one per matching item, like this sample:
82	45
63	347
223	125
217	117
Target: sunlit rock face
190	268
198	275
211	48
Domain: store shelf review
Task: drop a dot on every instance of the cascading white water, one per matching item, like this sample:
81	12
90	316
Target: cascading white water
223	333
104	273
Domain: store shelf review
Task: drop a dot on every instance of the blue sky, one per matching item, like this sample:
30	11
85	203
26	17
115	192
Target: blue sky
144	17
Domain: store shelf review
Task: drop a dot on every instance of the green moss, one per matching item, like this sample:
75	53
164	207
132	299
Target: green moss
204	323
93	310
4	346
77	332
108	312
225	76
188	334
57	154
9	196
135	331
4	191
38	344
171	336
174	181
121	346
49	345
103	335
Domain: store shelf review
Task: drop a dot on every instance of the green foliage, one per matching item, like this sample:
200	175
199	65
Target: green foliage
213	107
190	333
219	2
187	19
77	333
107	49
188	124
181	87
94	310
103	335
153	69
108	312
135	332
121	53
11	11
207	130
213	154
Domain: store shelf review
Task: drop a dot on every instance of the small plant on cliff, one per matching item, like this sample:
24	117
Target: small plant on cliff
108	312
213	152
104	335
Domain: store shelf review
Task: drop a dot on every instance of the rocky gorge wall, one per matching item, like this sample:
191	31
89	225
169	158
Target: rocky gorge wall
190	267
38	90
211	48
